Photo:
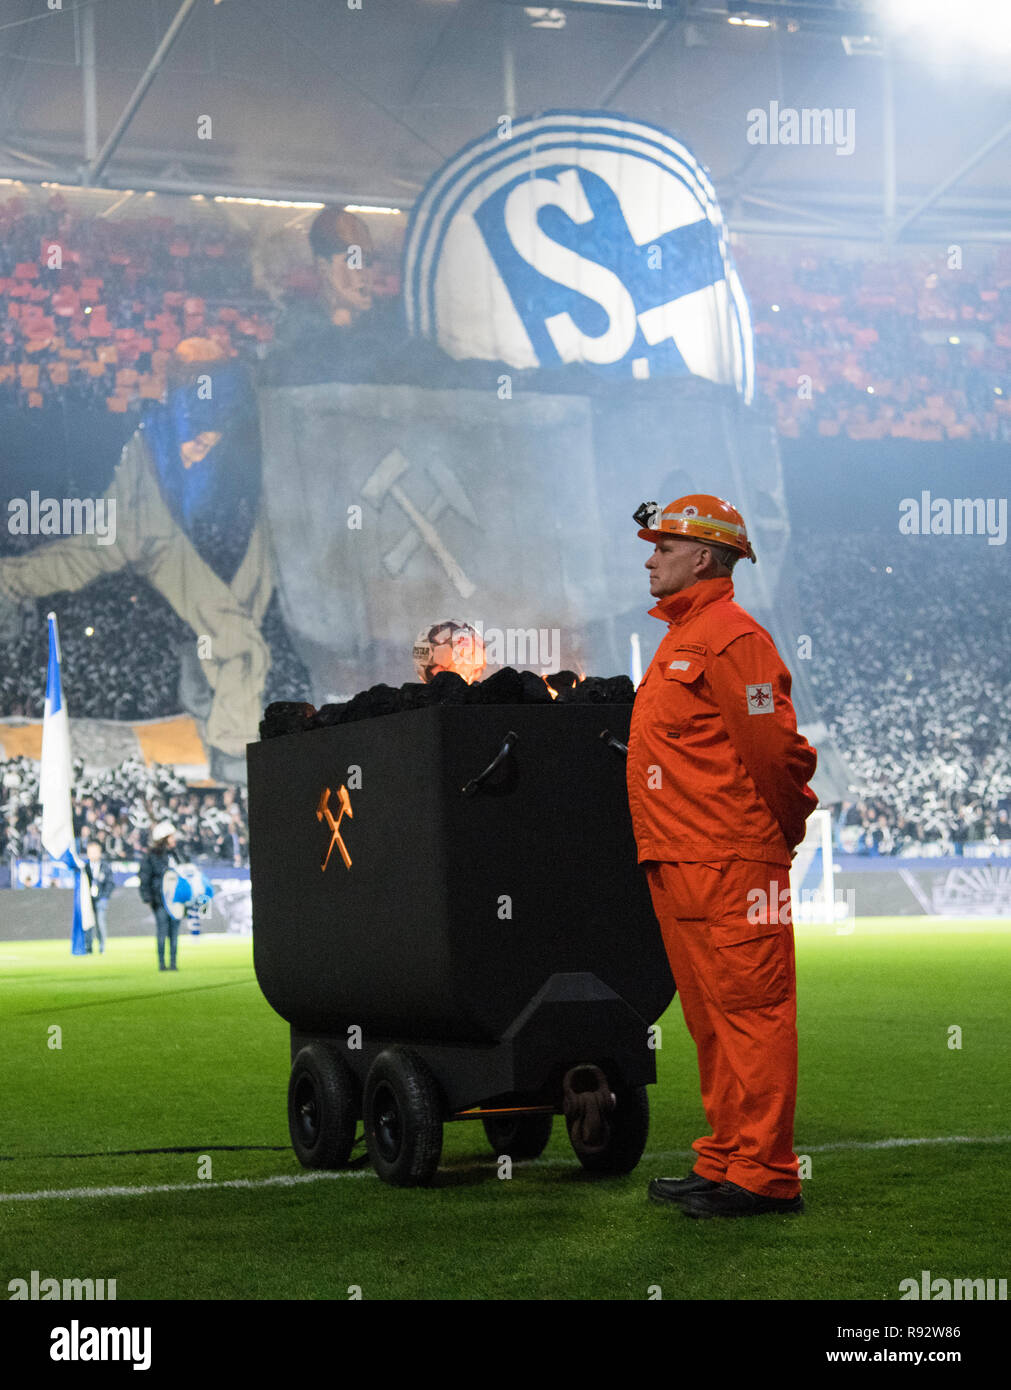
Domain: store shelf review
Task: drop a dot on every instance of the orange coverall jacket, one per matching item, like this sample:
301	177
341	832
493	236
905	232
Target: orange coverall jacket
716	767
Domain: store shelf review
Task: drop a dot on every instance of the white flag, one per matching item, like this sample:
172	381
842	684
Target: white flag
54	778
54	790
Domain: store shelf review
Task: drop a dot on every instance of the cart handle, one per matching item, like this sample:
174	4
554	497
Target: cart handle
614	743
500	757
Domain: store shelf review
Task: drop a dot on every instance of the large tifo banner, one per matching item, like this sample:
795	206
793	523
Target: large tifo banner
586	255
391	508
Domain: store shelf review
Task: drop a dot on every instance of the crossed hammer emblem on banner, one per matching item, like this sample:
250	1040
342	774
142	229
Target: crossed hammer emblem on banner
324	813
384	482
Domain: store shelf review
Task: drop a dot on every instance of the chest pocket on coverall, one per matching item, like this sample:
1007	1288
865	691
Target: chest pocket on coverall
680	672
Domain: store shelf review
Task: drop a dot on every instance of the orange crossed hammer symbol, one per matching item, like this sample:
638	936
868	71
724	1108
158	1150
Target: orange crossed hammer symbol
323	812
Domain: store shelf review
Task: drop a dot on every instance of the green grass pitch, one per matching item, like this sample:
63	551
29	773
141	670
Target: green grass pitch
198	1059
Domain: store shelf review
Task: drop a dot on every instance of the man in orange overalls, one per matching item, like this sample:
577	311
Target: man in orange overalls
717	789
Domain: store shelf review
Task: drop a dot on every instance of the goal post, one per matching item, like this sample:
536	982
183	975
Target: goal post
812	882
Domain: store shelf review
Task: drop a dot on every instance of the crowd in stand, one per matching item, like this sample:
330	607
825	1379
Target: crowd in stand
91	309
914	347
119	807
912	671
120	642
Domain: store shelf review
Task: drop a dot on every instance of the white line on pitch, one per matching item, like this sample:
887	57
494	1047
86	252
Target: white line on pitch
285	1180
291	1179
852	1144
906	1143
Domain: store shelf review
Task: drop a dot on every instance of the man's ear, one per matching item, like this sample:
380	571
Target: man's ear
711	564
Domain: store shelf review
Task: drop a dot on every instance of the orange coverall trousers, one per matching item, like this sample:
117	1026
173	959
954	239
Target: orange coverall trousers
732	958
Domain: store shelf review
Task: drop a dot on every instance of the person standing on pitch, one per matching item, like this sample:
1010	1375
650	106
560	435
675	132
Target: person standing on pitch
101	885
718	793
160	856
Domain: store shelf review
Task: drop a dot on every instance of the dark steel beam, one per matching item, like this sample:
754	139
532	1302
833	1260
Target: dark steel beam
89	98
317	193
889	176
940	189
93	170
863	231
635	62
790	210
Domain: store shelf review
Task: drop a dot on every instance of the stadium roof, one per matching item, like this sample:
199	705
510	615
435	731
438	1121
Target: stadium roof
323	100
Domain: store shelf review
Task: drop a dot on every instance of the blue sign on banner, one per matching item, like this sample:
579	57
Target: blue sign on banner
579	236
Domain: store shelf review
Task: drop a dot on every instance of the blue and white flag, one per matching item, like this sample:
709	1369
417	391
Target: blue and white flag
54	791
186	892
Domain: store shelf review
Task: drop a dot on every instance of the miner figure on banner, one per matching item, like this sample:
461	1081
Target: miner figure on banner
332	325
327	330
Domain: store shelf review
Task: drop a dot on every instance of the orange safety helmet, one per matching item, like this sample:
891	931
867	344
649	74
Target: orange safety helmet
698	517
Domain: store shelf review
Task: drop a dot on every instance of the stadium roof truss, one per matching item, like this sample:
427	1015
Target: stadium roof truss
416	79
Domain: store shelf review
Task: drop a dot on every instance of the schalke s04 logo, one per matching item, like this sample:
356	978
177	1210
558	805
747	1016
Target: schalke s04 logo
582	237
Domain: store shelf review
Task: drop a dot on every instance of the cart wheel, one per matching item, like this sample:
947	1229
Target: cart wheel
403	1116
629	1123
519	1136
321	1107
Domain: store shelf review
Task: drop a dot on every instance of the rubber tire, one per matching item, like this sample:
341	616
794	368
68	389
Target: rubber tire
322	1107
519	1136
405	1151
629	1132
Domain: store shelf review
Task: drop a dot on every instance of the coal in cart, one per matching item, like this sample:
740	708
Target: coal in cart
448	912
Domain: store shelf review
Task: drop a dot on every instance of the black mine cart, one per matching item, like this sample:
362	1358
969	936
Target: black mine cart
448	912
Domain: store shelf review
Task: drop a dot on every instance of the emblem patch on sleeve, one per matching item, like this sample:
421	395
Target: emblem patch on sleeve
759	698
